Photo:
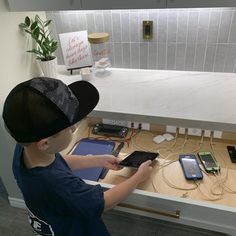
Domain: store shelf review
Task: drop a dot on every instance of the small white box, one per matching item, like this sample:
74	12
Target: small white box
168	136
159	139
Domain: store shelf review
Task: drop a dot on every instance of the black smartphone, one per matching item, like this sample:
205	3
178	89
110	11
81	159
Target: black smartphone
136	158
209	162
232	153
190	167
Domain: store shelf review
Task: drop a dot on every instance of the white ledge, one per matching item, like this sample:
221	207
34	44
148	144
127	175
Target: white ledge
189	99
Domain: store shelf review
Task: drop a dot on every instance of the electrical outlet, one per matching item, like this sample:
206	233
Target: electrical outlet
207	133
217	134
181	130
170	129
194	131
136	125
145	126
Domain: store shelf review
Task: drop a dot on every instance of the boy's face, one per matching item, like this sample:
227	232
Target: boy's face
61	140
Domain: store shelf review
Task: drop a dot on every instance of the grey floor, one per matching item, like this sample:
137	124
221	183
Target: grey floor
13	222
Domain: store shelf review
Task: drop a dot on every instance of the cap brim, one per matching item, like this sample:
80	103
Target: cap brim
87	96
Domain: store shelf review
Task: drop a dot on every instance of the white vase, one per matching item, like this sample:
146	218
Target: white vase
49	68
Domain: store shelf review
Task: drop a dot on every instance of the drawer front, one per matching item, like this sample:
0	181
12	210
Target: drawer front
179	210
122	4
200	3
44	5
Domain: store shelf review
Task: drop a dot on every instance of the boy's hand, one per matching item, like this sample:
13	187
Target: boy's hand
110	162
144	170
119	192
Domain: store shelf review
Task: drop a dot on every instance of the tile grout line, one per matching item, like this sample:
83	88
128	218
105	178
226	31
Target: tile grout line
195	48
167	28
186	41
176	39
204	60
217	39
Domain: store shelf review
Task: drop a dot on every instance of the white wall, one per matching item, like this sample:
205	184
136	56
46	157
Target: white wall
15	66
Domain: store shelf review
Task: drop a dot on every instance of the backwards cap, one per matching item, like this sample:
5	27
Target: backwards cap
41	107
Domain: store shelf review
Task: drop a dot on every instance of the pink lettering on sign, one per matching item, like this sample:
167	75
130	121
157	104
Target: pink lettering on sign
76	50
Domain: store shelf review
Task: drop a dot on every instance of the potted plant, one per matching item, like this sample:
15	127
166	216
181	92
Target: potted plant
45	46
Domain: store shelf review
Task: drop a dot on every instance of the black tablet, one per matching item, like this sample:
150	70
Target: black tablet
136	158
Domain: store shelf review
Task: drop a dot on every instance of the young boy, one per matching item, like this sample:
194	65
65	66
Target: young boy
40	114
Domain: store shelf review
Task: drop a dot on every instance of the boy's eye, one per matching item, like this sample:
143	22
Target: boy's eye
73	128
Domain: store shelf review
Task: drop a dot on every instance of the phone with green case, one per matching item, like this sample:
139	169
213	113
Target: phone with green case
209	162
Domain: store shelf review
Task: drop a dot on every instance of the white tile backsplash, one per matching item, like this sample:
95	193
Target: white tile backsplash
126	49
184	39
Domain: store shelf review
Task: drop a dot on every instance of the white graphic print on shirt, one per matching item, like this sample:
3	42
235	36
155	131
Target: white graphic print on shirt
39	226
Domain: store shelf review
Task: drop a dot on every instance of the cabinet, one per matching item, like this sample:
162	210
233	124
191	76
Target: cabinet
54	5
158	200
122	4
178	210
200	3
44	5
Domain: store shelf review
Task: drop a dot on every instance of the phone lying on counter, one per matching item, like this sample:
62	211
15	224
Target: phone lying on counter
110	130
209	162
190	167
136	158
232	153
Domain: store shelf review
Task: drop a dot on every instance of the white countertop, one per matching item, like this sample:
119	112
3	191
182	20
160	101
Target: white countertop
187	99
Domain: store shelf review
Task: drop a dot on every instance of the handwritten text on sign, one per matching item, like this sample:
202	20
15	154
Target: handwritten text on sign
76	49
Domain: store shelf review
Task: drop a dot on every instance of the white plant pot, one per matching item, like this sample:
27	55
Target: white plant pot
49	68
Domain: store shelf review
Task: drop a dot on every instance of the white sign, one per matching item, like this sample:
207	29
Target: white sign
76	49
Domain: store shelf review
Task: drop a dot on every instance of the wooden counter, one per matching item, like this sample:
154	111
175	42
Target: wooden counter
183	99
167	195
170	180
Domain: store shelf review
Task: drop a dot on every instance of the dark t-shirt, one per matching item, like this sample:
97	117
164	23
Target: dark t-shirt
59	203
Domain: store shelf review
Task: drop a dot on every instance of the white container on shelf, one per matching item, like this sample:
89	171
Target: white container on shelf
86	73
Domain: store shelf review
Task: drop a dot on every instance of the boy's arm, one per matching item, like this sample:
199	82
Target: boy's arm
118	193
77	162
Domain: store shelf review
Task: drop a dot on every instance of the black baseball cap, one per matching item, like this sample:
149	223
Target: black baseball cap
41	107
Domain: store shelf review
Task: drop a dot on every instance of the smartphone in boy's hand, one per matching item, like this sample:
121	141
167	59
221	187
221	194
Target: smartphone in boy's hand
136	158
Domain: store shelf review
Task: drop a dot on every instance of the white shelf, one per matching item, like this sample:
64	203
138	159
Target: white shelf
186	99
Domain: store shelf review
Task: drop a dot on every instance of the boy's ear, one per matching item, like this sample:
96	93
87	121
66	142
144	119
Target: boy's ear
43	144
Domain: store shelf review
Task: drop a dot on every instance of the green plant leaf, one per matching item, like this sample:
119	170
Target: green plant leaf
54	44
53	49
46	33
46	23
28	31
40	58
36	33
34	24
47	41
37	18
35	51
44	49
27	21
23	25
45	44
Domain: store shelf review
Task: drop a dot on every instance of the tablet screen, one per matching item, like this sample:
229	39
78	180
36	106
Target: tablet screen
136	158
